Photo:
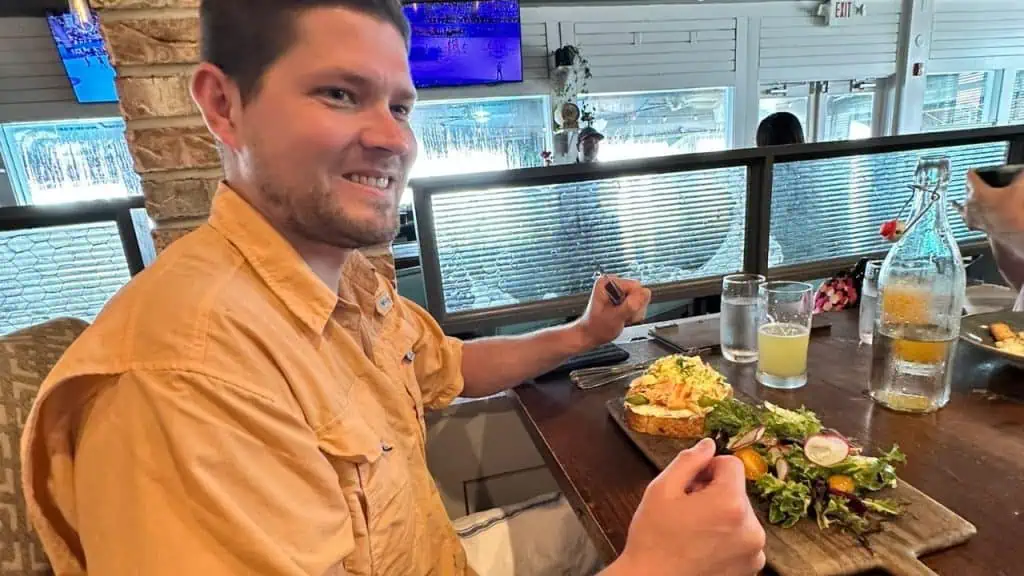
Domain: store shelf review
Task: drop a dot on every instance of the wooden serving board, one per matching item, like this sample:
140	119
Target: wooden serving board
805	550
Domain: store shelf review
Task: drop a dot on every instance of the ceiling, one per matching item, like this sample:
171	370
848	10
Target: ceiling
31	7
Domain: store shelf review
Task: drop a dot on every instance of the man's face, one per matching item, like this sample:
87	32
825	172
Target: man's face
326	143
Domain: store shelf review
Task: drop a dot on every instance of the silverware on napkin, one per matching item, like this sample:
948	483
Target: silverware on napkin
598	376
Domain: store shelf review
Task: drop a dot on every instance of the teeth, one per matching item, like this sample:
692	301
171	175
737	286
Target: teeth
370	181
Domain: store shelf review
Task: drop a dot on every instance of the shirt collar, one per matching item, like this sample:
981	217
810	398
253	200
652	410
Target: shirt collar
273	258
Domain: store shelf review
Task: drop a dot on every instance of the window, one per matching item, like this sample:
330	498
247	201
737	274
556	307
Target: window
957	101
644	125
848	116
827	110
479	135
1017	105
69	161
795	105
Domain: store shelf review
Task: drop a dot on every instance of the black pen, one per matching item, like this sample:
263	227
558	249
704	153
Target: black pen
614	292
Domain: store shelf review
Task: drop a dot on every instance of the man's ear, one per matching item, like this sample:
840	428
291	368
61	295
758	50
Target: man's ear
220	102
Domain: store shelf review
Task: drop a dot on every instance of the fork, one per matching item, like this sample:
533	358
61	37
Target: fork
596	377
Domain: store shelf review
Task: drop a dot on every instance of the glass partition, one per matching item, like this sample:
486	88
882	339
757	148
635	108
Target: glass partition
59	271
508	246
833	208
500	248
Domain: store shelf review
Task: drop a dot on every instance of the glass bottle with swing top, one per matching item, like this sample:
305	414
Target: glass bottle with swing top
922	288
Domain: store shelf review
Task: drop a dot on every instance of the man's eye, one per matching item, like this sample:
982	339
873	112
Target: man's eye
337	96
401	111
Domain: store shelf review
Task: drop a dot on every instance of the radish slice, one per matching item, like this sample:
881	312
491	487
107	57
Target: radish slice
826	449
748	439
781	469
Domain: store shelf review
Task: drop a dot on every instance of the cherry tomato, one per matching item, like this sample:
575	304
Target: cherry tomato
842	483
754	465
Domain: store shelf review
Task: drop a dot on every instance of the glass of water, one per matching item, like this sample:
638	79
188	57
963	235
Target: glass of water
784	334
739	317
869	301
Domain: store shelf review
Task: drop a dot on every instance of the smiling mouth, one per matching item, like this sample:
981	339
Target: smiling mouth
377	182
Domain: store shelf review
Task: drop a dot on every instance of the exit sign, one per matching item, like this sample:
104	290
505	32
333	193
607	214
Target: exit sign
840	11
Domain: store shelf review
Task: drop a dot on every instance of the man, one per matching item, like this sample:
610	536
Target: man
589	145
253	403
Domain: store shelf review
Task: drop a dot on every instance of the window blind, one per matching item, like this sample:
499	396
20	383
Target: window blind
59	271
519	245
1017	106
829	209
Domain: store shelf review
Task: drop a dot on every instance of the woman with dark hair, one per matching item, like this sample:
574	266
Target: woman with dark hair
779	129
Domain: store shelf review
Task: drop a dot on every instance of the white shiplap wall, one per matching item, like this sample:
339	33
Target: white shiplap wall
535	51
33	85
666	53
971	35
654	47
796	45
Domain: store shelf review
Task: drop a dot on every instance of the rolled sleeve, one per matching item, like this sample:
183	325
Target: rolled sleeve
438	361
177	473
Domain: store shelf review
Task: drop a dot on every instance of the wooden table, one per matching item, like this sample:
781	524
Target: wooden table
969	455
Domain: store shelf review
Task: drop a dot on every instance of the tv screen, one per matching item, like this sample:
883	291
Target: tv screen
80	47
465	43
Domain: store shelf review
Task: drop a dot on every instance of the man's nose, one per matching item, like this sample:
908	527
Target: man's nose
383	131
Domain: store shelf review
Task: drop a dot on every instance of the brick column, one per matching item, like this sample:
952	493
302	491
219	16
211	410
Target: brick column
154	45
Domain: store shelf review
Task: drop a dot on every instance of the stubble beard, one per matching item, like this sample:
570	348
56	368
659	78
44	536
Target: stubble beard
316	215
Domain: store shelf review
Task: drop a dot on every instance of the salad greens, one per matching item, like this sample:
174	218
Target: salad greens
788	476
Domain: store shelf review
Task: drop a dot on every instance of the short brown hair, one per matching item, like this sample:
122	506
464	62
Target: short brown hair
245	37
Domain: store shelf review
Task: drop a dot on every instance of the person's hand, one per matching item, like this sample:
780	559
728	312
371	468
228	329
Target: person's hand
604	321
695	518
994	210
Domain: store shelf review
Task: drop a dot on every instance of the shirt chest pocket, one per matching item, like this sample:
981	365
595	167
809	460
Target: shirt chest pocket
398	359
374	479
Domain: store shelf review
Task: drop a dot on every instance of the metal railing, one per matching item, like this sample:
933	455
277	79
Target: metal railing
762	168
69	259
116	210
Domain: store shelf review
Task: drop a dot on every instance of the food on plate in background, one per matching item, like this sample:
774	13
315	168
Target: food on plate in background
1007	340
671	397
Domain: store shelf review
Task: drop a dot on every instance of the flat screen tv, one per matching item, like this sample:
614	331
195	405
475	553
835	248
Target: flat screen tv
465	43
85	58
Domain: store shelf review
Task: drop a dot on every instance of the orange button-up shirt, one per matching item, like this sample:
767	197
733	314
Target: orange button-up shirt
228	413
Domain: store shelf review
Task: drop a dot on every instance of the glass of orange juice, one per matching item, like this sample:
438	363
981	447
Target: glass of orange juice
784	334
910	304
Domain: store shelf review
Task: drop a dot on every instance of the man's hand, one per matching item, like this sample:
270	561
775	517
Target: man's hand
999	212
695	518
994	210
490	365
604	321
